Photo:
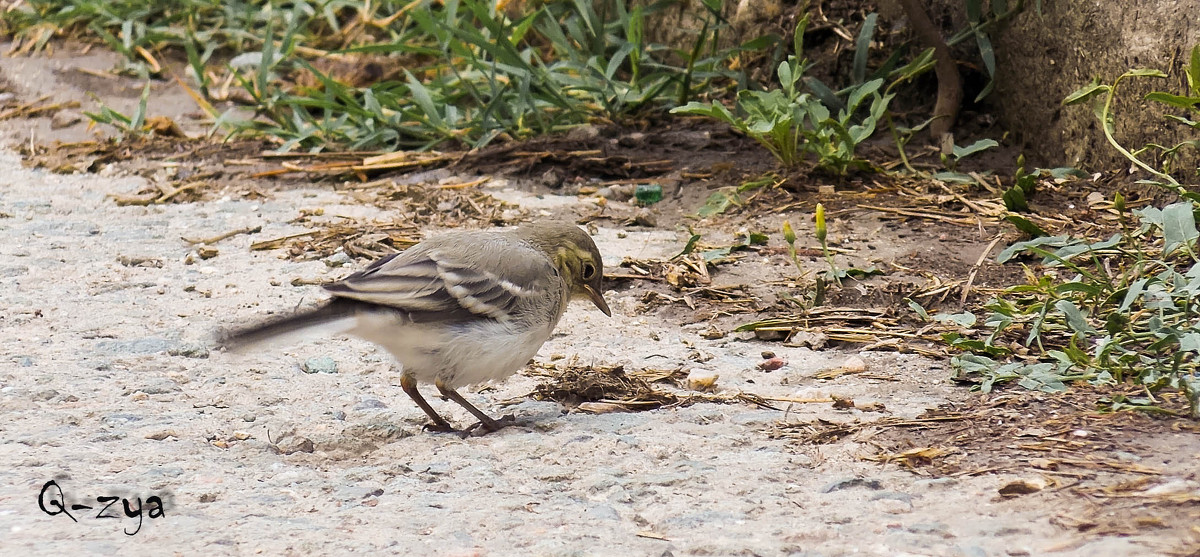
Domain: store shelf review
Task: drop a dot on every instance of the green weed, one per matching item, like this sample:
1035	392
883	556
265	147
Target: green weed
1121	309
792	124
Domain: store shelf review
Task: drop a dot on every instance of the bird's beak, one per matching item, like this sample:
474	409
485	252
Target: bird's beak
597	298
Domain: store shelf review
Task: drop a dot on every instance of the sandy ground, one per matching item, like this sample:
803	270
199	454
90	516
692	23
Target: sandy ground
109	386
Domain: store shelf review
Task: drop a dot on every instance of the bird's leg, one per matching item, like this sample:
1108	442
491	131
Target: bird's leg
410	387
485	421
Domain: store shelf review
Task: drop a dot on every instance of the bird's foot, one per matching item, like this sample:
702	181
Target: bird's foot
479	429
439	428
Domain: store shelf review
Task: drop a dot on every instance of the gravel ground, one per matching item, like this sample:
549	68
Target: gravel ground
109	386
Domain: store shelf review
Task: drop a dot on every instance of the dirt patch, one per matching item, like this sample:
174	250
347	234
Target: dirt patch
1125	463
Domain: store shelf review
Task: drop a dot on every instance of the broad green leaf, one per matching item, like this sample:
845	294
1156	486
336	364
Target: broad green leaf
1189	342
1074	317
1019	247
823	92
1014	200
1024	225
920	311
965	319
953	177
861	92
716	204
982	144
1086	288
1189	103
1064	172
1069	251
1086	92
1135	290
714	110
1179	226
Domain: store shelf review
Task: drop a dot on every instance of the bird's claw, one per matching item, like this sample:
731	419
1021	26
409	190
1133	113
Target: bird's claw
479	429
439	428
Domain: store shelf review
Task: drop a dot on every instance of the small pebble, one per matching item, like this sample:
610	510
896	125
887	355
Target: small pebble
772	364
644	217
854	364
338	259
295	445
319	364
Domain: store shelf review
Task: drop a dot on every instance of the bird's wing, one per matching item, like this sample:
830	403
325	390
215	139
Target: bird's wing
451	281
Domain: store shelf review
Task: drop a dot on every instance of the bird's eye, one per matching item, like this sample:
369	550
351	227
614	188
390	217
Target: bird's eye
589	271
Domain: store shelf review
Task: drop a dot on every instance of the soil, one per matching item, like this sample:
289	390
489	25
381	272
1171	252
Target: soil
662	430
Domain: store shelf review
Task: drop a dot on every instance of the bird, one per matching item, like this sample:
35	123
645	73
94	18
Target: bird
460	308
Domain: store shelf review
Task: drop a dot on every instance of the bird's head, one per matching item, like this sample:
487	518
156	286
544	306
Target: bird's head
575	256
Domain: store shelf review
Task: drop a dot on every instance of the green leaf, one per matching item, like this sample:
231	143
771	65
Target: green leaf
1014	199
1024	225
716	204
1086	92
1189	342
920	311
982	144
798	37
1074	317
1064	172
965	319
712	110
1144	72
1189	103
1186	122
689	247
1193	71
857	273
1179	226
824	93
1071	250
862	47
860	93
423	99
988	54
954	177
1019	247
1133	293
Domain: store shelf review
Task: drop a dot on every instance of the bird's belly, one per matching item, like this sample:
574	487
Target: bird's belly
457	355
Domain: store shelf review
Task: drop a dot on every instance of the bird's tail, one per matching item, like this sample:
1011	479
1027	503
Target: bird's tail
337	317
